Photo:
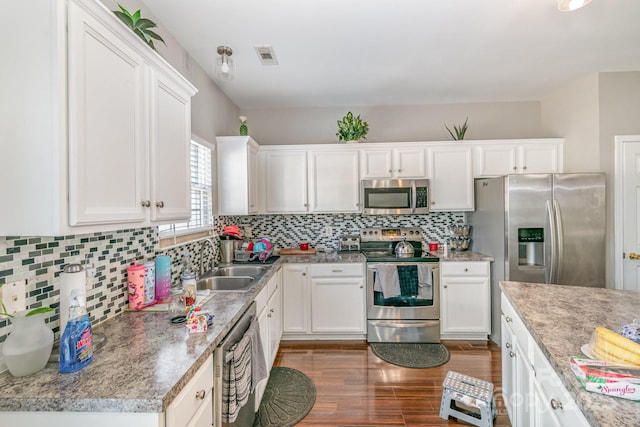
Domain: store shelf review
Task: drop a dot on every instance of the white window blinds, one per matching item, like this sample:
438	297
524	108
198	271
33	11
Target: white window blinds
201	194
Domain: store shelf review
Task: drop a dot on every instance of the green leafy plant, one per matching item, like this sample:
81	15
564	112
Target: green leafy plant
30	313
459	131
140	26
352	128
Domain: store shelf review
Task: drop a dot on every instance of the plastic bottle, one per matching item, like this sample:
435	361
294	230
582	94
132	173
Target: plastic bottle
76	343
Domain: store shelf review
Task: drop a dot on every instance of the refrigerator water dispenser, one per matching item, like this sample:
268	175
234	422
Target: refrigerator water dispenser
531	246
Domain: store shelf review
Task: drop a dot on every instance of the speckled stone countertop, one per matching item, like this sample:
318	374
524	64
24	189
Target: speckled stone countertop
561	319
146	360
463	256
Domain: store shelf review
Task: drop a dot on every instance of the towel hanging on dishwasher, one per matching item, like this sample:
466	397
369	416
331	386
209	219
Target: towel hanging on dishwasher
236	386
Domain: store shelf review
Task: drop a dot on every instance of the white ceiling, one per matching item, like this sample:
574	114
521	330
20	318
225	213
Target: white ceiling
403	52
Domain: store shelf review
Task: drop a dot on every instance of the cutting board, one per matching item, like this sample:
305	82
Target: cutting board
296	251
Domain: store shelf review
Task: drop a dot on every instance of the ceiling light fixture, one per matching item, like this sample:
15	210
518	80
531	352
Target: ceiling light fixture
569	5
224	65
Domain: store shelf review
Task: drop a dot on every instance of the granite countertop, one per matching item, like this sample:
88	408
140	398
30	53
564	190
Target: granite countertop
146	360
463	256
561	319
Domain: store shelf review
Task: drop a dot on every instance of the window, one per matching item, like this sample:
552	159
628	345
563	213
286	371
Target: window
201	193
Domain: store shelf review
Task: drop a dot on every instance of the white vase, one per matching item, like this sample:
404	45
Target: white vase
27	349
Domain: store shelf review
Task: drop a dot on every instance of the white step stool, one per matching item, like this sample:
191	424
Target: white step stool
471	392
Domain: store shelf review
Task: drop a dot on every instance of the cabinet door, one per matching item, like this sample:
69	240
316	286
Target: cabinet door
525	387
539	158
286	181
263	322
295	299
107	126
495	160
376	164
334	181
169	149
451	179
508	369
275	323
465	305
410	163
337	305
253	179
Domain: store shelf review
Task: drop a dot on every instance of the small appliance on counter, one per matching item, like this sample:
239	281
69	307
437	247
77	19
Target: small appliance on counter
349	243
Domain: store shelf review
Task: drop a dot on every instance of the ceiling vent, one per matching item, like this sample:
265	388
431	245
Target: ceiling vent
267	55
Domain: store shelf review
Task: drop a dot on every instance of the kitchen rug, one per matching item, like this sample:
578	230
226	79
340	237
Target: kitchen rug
288	398
412	355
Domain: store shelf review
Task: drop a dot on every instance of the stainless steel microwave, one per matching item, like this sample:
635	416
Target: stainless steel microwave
394	196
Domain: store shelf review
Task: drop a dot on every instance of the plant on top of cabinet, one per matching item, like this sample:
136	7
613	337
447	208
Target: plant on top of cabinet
244	130
140	26
459	131
352	129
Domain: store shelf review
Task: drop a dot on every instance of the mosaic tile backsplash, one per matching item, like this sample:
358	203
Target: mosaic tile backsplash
288	230
40	260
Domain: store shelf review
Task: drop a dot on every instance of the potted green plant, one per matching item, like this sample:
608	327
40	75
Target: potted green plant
140	26
352	129
459	133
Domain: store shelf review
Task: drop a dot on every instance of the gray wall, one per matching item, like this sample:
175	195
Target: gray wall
494	120
213	113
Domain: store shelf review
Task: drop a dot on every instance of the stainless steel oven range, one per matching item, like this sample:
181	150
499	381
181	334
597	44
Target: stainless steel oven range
403	298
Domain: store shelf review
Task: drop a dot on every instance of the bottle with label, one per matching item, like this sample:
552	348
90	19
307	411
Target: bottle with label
188	279
76	343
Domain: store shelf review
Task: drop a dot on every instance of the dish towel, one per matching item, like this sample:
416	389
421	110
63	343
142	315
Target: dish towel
237	380
387	280
258	363
425	281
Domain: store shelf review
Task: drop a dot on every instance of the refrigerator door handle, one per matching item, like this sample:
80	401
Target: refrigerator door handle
559	239
551	270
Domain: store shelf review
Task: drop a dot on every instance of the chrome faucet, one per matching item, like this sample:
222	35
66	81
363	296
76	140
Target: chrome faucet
206	242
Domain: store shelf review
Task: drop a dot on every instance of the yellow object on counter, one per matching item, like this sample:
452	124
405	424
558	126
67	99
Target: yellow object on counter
612	347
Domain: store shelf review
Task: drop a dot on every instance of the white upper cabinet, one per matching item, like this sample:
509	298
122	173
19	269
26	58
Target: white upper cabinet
314	180
406	162
334	183
237	175
498	158
285	181
111	129
451	178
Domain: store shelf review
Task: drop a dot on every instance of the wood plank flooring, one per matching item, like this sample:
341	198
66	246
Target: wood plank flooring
356	388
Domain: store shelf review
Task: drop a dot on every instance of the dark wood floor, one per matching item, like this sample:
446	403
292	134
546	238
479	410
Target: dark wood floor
356	388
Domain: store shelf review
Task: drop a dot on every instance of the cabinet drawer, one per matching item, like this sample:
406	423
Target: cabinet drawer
514	322
261	299
464	268
192	397
337	270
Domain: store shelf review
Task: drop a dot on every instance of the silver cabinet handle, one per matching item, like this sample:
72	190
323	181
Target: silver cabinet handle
272	310
390	170
433	202
525	168
200	394
445	286
512	354
556	404
515	168
268	314
336	271
508	345
160	204
304	274
508	319
145	203
466	269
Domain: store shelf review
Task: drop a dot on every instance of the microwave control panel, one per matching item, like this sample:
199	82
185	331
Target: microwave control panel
421	197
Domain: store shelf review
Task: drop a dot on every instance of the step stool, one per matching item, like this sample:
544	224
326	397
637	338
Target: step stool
471	392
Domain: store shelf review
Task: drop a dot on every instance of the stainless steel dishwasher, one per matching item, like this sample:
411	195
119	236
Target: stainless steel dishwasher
221	361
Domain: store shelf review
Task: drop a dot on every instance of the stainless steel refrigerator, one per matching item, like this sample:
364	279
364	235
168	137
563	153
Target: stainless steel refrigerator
541	228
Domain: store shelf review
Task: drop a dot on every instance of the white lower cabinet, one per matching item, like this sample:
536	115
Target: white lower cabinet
465	306
532	391
323	300
269	312
193	407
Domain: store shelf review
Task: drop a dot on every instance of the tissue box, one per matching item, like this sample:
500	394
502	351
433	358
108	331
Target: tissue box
607	378
197	322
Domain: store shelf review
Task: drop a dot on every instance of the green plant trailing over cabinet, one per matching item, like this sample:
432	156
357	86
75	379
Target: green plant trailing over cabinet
459	131
352	128
140	26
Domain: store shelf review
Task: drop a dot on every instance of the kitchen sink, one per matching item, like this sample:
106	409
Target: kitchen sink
241	270
226	283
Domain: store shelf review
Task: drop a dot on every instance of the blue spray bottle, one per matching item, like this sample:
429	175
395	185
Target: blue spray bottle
76	344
